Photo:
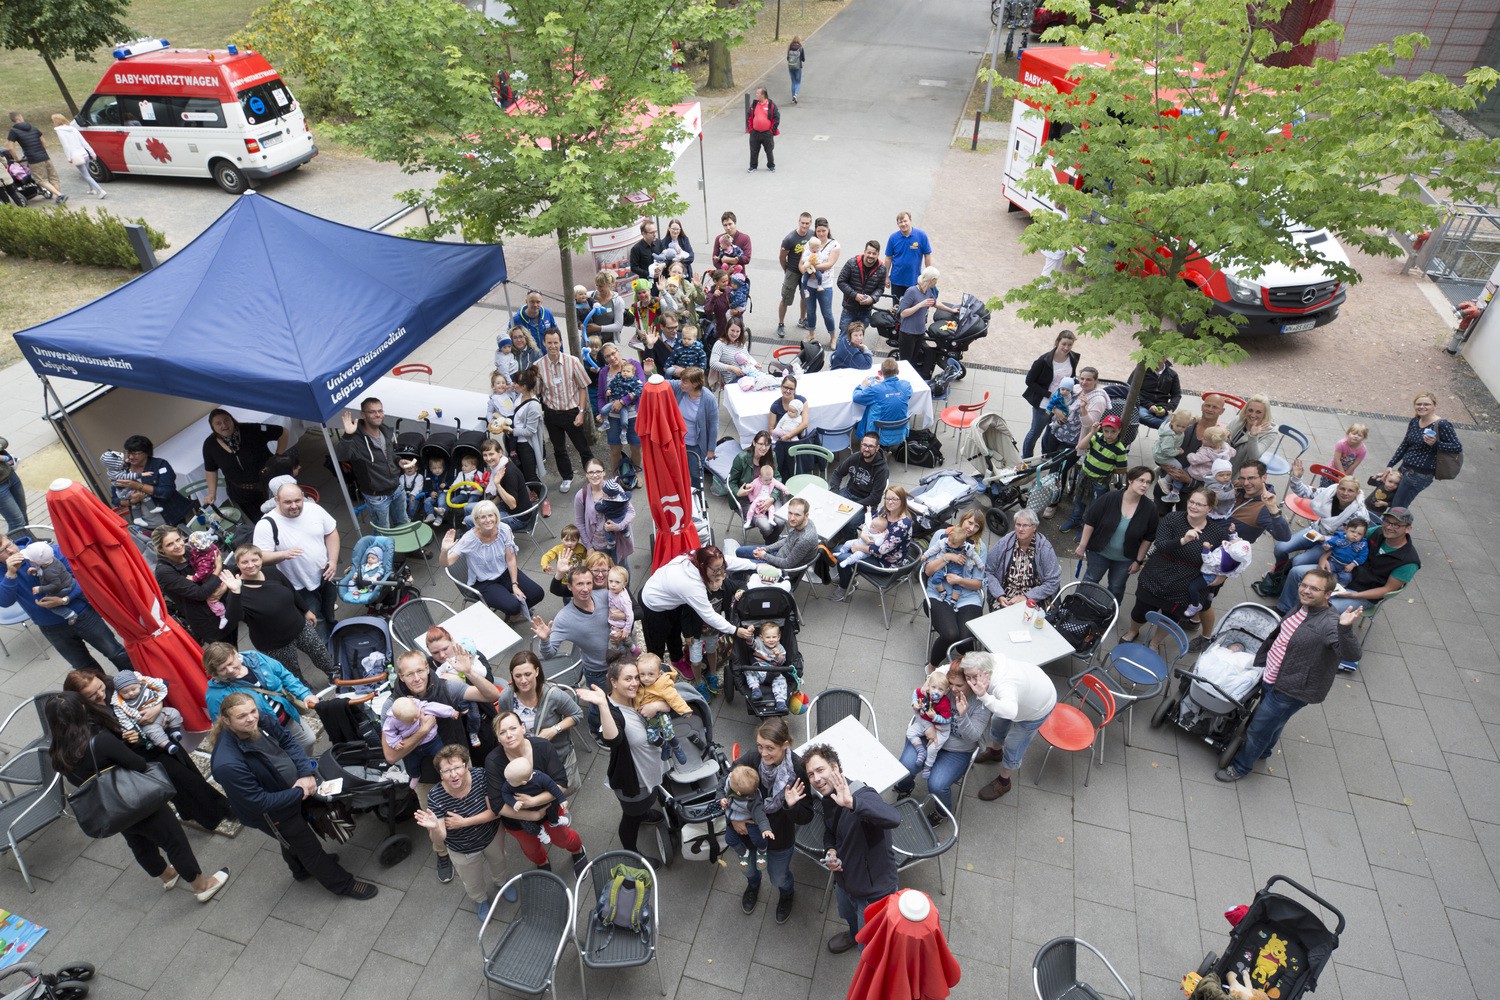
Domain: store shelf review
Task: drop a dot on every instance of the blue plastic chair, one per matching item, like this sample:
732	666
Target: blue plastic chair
1135	672
1278	464
904	426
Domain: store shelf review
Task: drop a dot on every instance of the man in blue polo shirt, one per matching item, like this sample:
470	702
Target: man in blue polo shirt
68	636
536	318
907	251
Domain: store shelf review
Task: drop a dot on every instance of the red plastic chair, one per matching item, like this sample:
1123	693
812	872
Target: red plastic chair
959	417
415	368
786	352
1069	727
1230	401
1326	471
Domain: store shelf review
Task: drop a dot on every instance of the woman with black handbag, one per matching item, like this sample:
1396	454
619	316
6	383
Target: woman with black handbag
88	751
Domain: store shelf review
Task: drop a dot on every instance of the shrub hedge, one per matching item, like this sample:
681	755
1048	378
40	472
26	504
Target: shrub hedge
72	236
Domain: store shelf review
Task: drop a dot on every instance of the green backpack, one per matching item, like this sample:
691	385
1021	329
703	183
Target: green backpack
625	902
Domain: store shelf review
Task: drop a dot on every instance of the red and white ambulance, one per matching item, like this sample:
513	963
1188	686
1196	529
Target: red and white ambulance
1281	299
218	113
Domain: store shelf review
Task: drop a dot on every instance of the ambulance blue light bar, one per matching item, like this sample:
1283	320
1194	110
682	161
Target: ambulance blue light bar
140	47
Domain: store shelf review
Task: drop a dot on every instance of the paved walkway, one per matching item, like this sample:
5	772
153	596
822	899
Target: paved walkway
1384	799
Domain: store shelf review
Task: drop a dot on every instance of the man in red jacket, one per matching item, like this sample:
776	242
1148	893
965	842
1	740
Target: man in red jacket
763	122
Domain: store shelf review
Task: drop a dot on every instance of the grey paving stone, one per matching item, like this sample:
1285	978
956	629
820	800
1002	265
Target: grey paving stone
168	923
1366	766
1348	708
1268	811
1220	883
1161	858
1464	879
1368	986
1387	680
1469	645
1213	820
792	946
1169	938
1113	931
1433	800
1334	846
266	963
195	970
1388	835
383	977
1103	865
1155	783
1479	942
722	952
1408	735
981	980
1413	623
1105	800
1044	825
257	888
1446	601
344	940
1476	781
1316	778
980	916
1043	901
1427	977
1369	948
1415	915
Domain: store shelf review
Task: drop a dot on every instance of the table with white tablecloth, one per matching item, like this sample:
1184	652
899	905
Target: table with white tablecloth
829	396
406	399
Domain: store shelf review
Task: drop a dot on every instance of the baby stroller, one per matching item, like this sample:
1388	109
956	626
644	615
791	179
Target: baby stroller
361	651
939	496
25	185
691	791
383	590
369	784
754	607
1280	945
1008	482
1210	705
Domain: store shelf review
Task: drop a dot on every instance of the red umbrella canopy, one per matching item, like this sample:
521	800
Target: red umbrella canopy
664	458
905	956
121	587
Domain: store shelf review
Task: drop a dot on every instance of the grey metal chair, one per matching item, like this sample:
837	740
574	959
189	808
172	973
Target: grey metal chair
916	840
412	620
809	844
457	573
836	704
602	947
524	959
1054	971
23	768
887	578
530	515
25	814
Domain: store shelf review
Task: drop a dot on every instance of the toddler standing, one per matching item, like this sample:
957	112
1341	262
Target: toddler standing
1349	452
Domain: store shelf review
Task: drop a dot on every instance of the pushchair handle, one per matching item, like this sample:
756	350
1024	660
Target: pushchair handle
1339	914
1187	673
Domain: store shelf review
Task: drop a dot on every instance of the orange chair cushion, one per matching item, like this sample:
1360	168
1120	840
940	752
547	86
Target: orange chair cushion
1068	728
958	416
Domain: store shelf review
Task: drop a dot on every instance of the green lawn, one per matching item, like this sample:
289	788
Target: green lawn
28	87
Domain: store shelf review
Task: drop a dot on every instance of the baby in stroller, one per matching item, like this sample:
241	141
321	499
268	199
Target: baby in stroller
933	721
52	577
522	779
769	655
203	562
369	571
657	684
360	580
140	704
404	722
743	803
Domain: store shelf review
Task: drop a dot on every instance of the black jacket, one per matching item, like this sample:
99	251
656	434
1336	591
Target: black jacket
1104	515
642	256
772	112
190	599
1162	388
866	480
784	821
544	758
377	474
862	836
1039	377
855	278
256	790
1312	655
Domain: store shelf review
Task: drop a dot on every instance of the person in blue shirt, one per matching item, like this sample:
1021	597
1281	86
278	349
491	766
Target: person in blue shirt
70	637
884	397
852	352
907	251
536	318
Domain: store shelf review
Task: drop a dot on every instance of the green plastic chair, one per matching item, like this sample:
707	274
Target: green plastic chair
411	538
823	455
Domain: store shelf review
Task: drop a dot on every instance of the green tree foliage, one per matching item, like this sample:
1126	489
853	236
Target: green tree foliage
415	78
1333	145
57	29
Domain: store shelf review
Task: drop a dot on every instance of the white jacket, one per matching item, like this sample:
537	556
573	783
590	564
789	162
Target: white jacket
1321	500
75	148
1020	692
678	583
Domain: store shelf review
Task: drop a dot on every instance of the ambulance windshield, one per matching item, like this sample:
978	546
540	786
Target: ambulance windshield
267	101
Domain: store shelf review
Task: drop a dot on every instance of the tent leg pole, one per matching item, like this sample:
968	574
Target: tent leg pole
339	475
74	444
509	312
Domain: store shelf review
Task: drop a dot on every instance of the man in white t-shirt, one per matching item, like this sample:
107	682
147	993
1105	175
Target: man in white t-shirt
301	539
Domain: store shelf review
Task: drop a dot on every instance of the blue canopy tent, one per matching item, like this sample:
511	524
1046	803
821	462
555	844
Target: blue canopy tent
270	308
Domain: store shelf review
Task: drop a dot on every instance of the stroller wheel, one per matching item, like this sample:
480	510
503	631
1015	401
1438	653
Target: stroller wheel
1226	757
81	971
996	520
69	989
393	850
963	370
1159	717
1208	963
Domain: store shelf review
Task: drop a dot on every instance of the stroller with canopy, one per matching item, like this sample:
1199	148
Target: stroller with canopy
374	581
691	790
939	496
361	651
757	606
1009	483
1280	945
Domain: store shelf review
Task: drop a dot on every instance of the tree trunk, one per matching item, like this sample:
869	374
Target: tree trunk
720	66
575	336
66	94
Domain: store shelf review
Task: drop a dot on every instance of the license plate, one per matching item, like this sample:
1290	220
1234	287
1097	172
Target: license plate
1306	324
272	140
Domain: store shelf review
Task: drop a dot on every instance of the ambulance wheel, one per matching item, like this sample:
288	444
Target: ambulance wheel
230	177
99	172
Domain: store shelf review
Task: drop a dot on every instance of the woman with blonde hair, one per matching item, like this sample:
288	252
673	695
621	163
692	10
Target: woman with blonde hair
1253	433
77	151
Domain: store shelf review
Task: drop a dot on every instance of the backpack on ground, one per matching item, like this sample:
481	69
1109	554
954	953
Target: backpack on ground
625	902
923	450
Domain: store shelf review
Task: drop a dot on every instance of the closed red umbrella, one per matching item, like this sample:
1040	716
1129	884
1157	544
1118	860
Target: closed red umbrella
664	458
121	587
905	955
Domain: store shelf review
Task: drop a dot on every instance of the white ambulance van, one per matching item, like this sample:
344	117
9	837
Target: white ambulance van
218	113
